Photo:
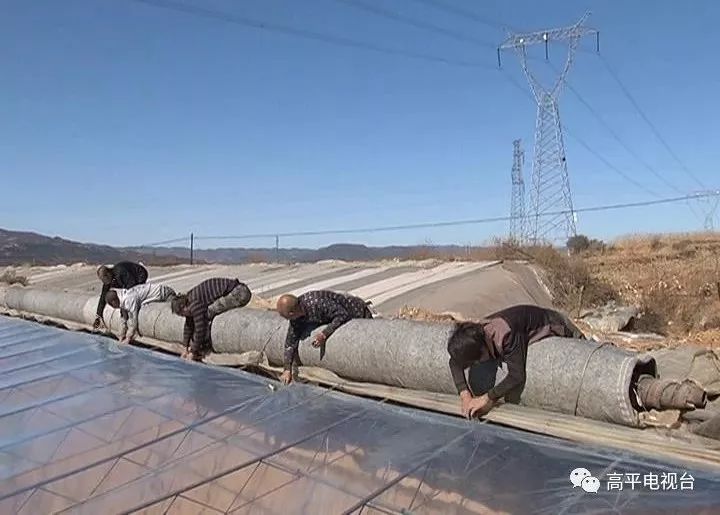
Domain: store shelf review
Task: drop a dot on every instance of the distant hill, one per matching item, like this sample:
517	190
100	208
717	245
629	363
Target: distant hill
340	251
19	248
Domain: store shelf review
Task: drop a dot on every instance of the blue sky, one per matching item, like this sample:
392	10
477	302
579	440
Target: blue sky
124	123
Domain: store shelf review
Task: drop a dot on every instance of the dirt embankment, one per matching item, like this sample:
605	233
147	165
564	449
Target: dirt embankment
674	279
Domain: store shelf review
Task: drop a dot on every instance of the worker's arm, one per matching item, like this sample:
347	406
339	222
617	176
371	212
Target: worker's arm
188	331
515	358
292	340
200	334
124	315
132	324
131	309
101	302
458	375
339	316
466	397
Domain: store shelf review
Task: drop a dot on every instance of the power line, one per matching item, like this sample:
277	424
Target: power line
430	27
607	163
395	16
626	147
166	242
577	138
471	15
584	144
474	16
346	42
459	11
303	33
652	126
617	138
455	223
642	114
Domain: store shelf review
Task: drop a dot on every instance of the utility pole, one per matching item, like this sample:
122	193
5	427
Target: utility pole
192	247
550	181
517	198
277	248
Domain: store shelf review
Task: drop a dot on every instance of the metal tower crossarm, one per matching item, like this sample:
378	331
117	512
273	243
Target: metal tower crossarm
577	30
520	42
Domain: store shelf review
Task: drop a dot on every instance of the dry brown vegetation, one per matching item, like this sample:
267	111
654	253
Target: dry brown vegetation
258	302
424	315
12	277
675	279
259	257
569	278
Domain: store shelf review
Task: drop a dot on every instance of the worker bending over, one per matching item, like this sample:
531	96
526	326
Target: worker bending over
123	275
311	310
203	303
502	336
129	301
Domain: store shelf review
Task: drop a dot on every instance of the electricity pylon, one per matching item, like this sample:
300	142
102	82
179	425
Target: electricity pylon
517	200
550	182
709	201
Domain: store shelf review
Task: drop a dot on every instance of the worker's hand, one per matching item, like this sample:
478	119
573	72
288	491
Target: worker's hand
98	320
193	356
286	377
465	398
480	405
319	340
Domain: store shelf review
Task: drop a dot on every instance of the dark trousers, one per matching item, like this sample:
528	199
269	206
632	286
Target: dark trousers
563	326
237	298
481	376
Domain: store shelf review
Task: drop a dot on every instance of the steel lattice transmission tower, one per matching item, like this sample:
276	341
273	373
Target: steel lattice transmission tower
710	199
517	199
550	182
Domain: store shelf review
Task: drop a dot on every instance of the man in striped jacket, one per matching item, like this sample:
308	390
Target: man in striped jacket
203	303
